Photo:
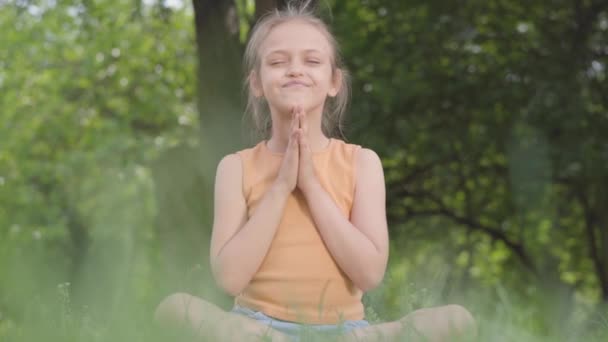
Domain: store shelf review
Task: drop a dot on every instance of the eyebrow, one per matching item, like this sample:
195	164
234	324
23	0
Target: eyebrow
285	52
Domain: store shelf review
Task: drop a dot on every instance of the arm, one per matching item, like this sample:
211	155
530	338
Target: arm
359	246
238	246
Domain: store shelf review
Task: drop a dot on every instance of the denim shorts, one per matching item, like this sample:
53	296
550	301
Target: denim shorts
296	330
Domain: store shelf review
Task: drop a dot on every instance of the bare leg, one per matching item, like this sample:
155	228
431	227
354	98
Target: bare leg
205	320
445	323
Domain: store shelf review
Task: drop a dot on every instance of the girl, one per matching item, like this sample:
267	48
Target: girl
299	227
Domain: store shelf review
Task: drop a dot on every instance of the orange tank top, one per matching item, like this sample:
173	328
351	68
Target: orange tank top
298	279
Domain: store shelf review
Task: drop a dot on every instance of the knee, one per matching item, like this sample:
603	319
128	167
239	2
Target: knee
171	308
462	320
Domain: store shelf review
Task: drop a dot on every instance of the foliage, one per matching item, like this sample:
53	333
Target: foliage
489	116
91	94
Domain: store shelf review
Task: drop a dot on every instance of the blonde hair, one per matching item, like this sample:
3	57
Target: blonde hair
257	108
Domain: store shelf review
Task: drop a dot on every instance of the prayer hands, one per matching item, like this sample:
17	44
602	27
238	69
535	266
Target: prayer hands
287	178
297	169
306	172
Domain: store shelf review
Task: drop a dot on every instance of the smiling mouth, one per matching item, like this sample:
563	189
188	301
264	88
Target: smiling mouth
293	84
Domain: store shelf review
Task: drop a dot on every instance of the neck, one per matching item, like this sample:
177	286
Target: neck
281	124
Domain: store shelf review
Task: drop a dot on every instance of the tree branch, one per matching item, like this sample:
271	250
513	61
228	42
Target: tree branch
467	221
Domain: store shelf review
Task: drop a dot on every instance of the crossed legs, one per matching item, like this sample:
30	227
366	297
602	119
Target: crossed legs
209	322
205	320
438	324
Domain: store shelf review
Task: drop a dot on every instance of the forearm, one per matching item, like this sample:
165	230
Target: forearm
354	252
242	255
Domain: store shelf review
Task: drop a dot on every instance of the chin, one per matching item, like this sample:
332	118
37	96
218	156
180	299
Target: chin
285	106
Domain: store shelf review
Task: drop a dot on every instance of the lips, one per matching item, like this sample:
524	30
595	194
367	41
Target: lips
295	83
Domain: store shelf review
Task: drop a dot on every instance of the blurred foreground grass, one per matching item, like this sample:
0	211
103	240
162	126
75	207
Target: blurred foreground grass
34	306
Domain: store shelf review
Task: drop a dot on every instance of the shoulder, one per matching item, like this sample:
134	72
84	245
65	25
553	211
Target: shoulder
366	156
365	162
230	161
252	152
344	149
360	157
368	165
237	166
229	177
236	159
229	167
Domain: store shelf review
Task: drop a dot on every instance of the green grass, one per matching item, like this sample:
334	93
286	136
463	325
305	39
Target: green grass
115	301
509	318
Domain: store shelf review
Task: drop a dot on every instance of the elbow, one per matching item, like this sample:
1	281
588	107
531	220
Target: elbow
229	285
229	288
228	282
232	291
372	274
370	281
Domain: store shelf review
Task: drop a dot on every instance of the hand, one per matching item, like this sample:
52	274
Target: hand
306	171
288	173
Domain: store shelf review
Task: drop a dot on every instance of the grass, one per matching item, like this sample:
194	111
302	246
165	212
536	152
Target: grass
115	302
506	317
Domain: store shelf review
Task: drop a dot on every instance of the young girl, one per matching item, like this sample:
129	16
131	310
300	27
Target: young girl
299	227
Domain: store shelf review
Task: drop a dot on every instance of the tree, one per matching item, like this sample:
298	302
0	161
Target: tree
487	118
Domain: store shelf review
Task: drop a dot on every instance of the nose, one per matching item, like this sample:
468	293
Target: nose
294	70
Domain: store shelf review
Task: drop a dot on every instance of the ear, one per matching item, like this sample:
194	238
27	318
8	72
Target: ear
336	83
255	85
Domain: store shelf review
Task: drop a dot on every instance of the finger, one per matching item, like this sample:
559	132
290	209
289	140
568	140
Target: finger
294	121
302	140
293	138
299	117
294	127
296	144
304	122
298	134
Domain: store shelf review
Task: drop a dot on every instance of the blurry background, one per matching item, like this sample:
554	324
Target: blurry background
491	118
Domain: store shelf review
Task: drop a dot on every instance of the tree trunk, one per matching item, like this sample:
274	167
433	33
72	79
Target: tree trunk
184	175
220	103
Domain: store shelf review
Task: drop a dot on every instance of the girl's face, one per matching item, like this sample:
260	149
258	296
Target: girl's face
296	68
